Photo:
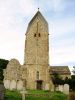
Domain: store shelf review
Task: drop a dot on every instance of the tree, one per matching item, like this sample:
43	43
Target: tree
71	82
57	79
73	70
3	64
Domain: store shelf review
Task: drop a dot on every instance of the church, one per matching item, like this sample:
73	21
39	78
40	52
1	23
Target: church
36	72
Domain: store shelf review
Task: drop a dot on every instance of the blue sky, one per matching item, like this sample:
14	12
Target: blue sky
60	14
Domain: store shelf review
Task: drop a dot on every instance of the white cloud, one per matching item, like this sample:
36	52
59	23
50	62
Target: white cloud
61	56
51	5
56	5
14	18
27	6
12	27
65	25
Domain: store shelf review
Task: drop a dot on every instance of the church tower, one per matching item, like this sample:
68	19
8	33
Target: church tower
36	43
36	58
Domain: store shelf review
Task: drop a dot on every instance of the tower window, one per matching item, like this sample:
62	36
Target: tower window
37	75
39	35
35	35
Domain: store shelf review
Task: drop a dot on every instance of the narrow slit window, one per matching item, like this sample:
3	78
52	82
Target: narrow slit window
39	35
35	35
38	75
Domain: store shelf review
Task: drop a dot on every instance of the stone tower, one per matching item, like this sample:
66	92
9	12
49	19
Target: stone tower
36	58
35	73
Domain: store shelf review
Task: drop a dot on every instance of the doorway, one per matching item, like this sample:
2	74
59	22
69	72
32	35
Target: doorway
39	85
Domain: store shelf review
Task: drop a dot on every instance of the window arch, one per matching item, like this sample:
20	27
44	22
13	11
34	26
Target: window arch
37	75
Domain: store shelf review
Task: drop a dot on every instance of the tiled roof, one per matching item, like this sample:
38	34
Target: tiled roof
62	70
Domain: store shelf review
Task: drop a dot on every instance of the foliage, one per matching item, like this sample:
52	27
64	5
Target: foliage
15	95
71	82
57	79
3	64
73	70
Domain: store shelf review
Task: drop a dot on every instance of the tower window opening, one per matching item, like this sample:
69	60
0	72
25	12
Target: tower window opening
35	35
39	35
37	75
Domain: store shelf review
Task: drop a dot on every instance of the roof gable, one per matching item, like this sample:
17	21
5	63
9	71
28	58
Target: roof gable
62	70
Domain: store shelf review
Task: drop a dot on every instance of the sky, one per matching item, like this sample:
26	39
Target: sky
60	15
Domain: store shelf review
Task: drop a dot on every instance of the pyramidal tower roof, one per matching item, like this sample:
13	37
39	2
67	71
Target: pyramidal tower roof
39	16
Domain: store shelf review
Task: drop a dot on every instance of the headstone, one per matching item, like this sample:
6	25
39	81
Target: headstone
61	88
56	88
12	85
52	88
20	85
47	87
23	92
66	89
2	92
7	84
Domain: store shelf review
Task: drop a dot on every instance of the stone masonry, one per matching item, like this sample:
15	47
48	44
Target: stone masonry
34	73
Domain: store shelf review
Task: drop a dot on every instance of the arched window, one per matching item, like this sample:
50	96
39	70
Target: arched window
37	75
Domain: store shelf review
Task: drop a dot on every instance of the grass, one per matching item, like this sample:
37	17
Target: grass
12	95
35	95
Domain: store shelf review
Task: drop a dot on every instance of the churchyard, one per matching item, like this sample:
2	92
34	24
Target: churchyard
35	95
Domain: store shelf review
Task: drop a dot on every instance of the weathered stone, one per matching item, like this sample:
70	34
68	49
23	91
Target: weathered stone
47	86
56	88
23	93
35	70
66	89
7	84
12	85
61	87
20	85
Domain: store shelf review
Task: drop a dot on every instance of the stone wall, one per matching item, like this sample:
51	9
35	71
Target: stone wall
36	47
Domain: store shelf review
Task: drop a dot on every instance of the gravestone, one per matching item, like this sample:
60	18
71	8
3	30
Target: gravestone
61	88
2	92
7	84
66	89
12	85
20	85
47	87
23	93
56	88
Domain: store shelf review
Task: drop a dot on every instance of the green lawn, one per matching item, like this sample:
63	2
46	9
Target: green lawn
35	95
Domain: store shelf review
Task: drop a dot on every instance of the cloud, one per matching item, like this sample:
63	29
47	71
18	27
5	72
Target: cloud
62	56
56	5
13	13
62	26
15	16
